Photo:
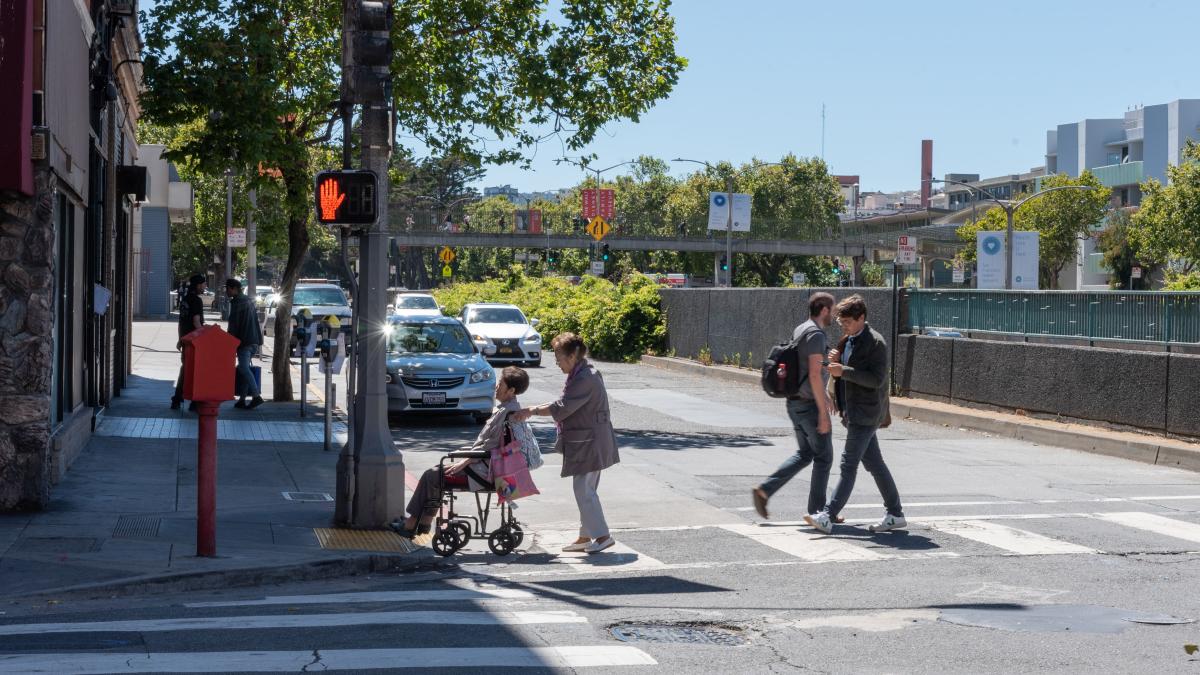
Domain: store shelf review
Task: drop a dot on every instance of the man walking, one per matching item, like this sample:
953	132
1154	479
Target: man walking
191	317
809	412
860	370
243	325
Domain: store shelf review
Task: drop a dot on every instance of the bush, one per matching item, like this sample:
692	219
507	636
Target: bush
1182	281
619	322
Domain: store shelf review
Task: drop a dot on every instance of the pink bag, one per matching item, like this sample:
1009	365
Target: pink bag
510	471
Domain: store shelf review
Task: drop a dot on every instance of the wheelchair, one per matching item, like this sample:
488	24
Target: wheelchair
453	530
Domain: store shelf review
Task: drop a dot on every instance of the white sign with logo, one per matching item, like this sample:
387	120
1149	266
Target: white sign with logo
799	278
598	268
989	256
1025	261
906	250
718	211
236	237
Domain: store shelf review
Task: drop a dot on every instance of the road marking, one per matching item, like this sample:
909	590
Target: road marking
1011	502
500	618
1009	539
807	545
336	659
1179	529
618	556
378	596
697	410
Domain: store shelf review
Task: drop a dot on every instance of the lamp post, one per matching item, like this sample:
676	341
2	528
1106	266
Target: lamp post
582	164
1009	209
729	205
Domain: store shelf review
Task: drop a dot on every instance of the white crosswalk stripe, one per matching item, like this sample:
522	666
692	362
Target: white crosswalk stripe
1011	539
807	545
1170	527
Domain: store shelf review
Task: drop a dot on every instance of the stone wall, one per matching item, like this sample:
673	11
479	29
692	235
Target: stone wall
26	346
1157	391
748	321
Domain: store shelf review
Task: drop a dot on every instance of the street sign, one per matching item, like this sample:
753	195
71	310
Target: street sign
598	228
606	204
719	213
959	275
1136	273
446	272
598	268
799	278
446	255
906	250
346	197
236	236
589	203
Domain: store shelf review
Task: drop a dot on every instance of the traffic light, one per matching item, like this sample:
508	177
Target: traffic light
550	258
604	253
724	264
369	79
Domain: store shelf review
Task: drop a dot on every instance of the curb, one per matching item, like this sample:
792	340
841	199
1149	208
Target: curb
252	576
1139	447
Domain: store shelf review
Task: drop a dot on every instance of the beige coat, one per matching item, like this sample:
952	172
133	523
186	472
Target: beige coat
585	438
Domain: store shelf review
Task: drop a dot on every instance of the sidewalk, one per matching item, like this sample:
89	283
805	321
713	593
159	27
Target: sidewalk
126	510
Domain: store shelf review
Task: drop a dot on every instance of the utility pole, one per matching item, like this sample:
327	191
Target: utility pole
224	302
252	248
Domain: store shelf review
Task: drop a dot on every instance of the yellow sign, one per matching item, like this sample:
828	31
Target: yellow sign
446	271
446	255
598	228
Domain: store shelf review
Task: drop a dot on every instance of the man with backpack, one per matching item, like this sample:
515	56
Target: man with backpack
808	406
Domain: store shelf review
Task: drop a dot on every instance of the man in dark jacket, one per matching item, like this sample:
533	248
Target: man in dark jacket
191	317
861	373
243	325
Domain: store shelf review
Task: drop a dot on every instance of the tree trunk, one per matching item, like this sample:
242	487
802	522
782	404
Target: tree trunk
298	243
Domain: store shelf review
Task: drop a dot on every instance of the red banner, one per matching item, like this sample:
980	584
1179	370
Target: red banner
535	221
606	205
589	203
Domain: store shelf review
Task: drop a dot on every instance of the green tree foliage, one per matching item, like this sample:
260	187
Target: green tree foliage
1167	226
1120	252
262	79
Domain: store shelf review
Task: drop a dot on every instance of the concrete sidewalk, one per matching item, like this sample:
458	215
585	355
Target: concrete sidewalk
125	512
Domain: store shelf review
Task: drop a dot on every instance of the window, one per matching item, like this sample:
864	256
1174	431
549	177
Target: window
429	338
62	394
416	302
314	297
497	315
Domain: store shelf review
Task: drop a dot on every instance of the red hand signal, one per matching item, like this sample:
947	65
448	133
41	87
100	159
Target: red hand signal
330	199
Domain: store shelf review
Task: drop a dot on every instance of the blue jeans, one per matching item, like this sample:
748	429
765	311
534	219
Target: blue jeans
814	448
862	445
245	378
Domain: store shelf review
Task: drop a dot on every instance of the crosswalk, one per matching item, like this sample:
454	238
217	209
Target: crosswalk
487	627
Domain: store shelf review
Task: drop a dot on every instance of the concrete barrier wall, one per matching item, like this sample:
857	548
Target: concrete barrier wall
1150	390
749	321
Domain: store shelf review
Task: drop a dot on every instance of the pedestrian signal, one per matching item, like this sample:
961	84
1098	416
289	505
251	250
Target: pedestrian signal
346	197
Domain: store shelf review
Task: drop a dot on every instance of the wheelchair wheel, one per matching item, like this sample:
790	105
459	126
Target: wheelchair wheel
445	542
463	531
518	535
502	541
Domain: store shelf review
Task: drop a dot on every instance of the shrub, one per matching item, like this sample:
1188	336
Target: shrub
619	322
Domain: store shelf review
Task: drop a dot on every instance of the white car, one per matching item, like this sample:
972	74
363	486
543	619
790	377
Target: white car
320	299
416	305
504	329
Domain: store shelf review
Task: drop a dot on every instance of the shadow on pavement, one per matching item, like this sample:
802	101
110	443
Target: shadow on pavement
657	440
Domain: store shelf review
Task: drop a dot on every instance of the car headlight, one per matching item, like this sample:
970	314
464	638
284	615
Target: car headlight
534	338
481	375
479	338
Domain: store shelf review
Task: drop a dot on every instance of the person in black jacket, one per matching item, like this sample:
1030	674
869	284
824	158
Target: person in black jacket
191	317
861	386
243	325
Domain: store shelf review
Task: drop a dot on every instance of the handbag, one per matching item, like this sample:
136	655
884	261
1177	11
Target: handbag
510	472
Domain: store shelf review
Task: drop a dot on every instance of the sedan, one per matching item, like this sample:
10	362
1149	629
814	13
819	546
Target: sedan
503	332
433	367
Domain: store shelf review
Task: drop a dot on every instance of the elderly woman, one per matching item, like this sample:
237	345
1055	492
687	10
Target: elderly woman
585	437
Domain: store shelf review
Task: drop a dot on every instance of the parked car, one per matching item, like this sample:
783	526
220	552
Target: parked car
504	328
433	366
415	304
322	299
263	295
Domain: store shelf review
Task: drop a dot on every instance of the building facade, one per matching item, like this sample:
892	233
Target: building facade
168	201
68	186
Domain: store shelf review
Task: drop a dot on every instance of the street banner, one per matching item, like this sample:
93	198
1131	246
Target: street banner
718	211
535	221
589	203
989	256
1025	261
606	204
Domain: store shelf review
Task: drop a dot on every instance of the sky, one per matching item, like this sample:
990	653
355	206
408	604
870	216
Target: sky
984	81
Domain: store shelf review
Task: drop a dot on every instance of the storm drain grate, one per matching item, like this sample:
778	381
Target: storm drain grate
137	527
307	496
724	636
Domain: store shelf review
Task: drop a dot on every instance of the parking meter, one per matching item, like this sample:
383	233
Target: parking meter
331	347
305	345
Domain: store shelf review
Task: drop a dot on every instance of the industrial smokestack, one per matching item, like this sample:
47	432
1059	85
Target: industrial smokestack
926	171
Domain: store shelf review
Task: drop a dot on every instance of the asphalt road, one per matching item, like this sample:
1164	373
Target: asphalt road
1018	558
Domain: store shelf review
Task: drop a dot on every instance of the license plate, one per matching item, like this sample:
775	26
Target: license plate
505	350
438	398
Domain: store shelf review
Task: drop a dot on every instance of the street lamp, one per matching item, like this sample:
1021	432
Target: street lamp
729	204
582	164
1009	209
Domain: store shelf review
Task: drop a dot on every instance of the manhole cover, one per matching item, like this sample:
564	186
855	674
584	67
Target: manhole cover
692	634
307	496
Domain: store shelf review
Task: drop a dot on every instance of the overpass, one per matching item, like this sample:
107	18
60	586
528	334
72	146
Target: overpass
617	242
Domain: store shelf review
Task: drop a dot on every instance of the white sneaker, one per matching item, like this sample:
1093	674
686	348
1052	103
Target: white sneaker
820	521
597	546
889	523
576	547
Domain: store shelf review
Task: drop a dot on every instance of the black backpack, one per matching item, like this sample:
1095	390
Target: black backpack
784	372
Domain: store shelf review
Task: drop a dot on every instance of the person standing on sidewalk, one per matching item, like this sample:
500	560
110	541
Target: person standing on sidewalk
243	325
586	438
809	411
191	317
860	372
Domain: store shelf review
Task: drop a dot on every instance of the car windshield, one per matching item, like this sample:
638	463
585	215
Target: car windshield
497	315
264	292
428	338
416	302
319	296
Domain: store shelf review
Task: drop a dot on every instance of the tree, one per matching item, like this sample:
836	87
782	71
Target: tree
1167	225
1121	252
261	76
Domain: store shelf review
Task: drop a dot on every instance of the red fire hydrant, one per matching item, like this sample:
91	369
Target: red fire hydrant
209	355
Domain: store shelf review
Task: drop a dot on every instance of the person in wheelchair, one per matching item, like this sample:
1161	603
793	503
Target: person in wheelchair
474	474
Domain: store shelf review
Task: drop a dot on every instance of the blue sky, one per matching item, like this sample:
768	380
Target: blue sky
983	80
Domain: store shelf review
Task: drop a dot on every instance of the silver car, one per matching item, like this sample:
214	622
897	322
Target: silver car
503	333
433	367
